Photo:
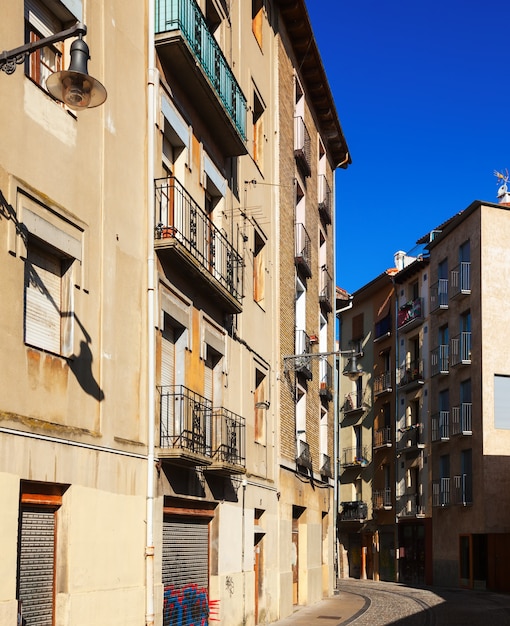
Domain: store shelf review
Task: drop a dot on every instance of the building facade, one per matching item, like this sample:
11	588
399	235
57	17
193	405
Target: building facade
156	450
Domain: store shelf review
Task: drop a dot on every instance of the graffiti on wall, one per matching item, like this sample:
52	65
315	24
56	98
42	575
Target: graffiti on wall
188	606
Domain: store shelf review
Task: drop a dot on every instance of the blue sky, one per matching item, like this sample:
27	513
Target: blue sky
422	90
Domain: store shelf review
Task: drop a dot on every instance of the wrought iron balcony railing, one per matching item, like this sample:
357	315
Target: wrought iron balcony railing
326	379
462	489
411	374
325	468
382	327
439	360
302	146
381	499
325	289
382	383
439	295
303	250
410	505
182	222
186	18
410	314
441	426
303	455
460	280
356	456
460	352
353	403
441	492
355	511
228	438
185	420
383	438
324	199
303	364
462	419
411	438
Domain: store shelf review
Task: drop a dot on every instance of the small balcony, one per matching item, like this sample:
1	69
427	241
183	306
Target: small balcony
460	280
382	328
354	457
462	489
460	353
303	364
353	404
303	456
411	438
382	384
410	505
190	53
186	238
325	469
325	290
410	315
303	251
228	443
302	146
185	426
324	199
441	492
356	511
441	426
411	375
383	438
326	380
439	296
462	419
382	500
439	360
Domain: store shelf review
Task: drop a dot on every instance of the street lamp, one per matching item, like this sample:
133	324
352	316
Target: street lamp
74	87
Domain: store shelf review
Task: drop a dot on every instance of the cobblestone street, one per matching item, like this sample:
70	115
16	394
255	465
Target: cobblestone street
370	603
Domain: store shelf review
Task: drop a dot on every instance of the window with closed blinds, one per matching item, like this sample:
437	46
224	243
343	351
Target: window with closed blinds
43	299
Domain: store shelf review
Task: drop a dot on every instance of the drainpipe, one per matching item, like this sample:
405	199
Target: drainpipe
152	85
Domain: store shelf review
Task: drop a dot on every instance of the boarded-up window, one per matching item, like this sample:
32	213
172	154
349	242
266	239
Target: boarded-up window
357	327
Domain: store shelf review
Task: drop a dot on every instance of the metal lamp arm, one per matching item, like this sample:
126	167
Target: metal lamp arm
9	59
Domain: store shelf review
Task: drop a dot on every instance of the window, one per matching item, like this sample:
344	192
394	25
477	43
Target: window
39	505
48	322
257	7
42	19
357	327
259	268
261	405
502	402
466	477
258	130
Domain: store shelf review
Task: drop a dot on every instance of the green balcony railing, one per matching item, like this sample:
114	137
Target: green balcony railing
186	16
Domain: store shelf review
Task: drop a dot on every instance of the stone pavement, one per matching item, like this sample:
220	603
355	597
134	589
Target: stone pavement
370	603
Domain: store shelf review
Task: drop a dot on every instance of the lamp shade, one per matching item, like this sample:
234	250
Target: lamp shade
351	369
75	87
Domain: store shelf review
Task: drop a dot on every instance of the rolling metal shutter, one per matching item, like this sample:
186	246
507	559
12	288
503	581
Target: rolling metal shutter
36	566
185	553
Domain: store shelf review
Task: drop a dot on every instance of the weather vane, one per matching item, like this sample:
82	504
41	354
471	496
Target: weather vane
503	189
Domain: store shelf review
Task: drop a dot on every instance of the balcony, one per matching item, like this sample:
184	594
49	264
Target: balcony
325	469
462	419
353	404
411	438
382	384
439	360
441	426
356	511
441	492
325	290
190	53
460	353
185	426
324	199
303	364
382	437
354	457
186	237
439	296
382	328
382	500
302	146
462	489
410	505
460	280
303	251
228	443
411	375
304	457
326	380
410	315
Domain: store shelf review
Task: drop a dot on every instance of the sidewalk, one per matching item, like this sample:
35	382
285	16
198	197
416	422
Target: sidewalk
337	610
